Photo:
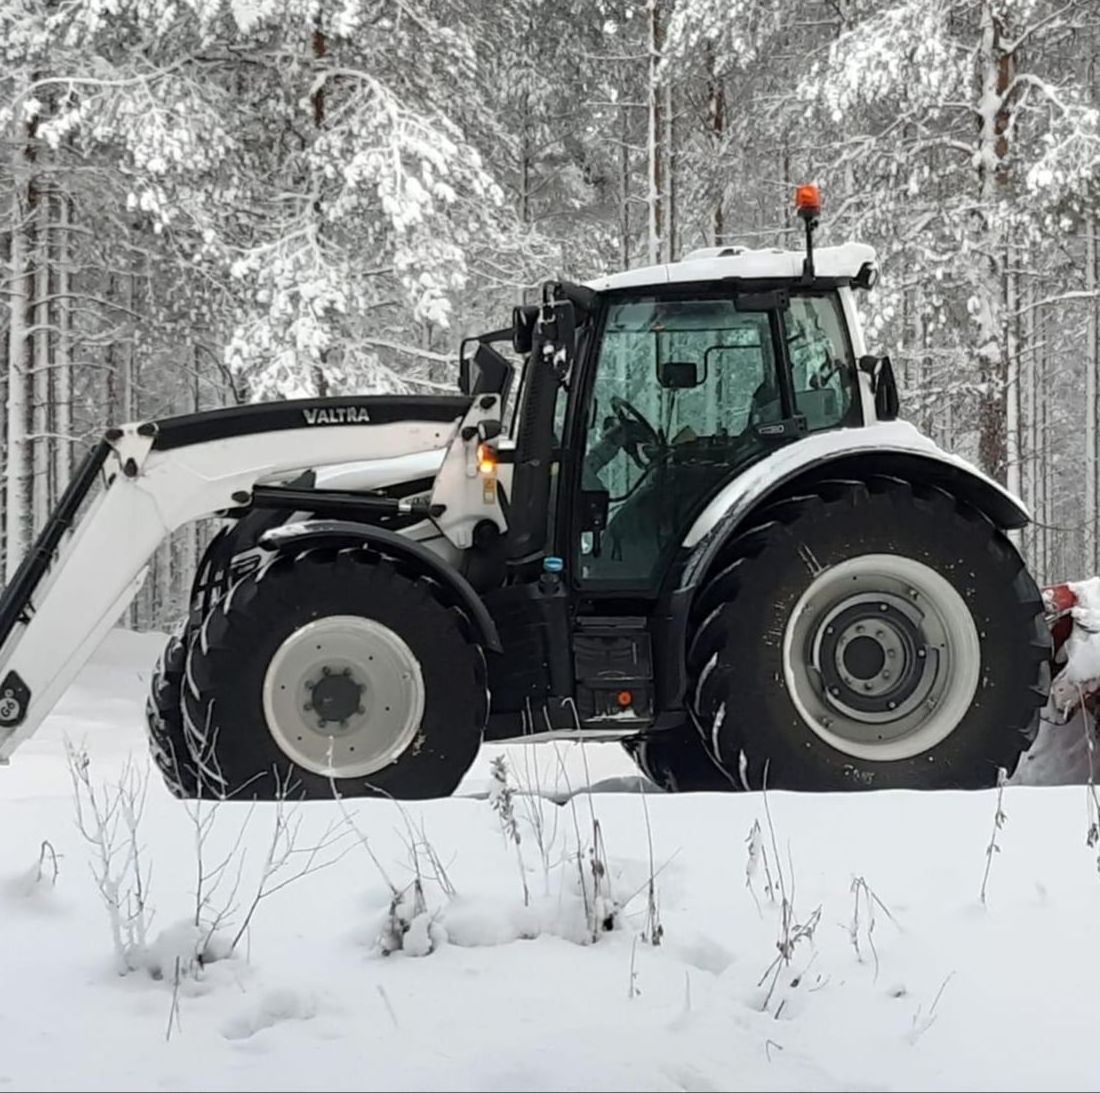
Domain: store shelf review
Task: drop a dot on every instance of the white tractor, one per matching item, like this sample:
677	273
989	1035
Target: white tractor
695	527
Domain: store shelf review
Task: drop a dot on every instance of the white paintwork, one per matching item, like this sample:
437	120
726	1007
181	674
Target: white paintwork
883	436
845	260
373	474
101	567
859	349
468	495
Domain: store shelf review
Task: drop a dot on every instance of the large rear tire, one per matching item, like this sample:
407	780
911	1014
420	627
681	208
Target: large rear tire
677	761
870	635
333	671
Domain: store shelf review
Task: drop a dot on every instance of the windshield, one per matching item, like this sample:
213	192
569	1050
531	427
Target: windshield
680	387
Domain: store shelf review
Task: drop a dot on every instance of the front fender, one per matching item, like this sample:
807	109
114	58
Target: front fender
310	534
889	448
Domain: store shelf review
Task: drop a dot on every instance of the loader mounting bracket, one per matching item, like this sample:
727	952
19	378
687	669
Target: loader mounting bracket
15	697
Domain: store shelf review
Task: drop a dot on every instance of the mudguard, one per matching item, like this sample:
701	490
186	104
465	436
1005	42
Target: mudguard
888	448
312	534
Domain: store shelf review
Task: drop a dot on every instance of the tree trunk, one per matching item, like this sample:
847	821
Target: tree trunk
716	118
1092	364
63	369
668	233
655	131
624	188
1012	377
20	283
996	70
41	448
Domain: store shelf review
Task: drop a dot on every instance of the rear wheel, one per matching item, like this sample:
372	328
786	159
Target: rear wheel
872	635
335	670
677	761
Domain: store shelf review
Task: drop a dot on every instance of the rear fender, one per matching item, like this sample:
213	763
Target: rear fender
318	534
891	448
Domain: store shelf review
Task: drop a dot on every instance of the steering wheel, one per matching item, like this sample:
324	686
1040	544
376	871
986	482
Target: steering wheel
632	420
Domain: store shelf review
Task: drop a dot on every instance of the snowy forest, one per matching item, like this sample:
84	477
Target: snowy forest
214	201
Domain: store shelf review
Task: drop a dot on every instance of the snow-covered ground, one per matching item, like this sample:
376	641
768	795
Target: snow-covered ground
927	988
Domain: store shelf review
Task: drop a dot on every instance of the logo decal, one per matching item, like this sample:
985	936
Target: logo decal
337	415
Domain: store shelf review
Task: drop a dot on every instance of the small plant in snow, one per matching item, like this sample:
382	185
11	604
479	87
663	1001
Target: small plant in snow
109	817
411	926
792	932
502	799
863	895
757	856
1088	724
922	1021
42	874
653	931
601	910
999	819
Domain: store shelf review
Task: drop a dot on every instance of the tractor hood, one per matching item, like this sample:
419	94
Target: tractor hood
374	474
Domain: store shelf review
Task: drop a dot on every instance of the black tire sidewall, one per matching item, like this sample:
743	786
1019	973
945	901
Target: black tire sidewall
164	717
677	761
759	716
226	673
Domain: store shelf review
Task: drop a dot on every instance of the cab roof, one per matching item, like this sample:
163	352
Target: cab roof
719	263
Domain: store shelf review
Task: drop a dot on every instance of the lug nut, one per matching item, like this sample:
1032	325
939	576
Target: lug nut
891	652
921	653
883	607
834	691
892	704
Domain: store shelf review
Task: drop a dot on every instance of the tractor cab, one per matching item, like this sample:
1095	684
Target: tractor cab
644	392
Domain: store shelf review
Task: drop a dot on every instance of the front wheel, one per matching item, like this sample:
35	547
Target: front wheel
334	671
871	635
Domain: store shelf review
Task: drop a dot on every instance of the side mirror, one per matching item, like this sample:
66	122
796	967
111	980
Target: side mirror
884	386
484	372
523	327
677	375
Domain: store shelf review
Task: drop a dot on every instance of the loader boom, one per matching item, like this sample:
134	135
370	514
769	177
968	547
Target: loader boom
160	476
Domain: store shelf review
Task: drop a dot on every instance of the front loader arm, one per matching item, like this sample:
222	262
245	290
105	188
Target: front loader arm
158	478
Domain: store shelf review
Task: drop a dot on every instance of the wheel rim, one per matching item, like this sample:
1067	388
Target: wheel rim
881	657
343	696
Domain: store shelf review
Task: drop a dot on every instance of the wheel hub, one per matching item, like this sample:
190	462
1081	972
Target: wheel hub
870	652
335	697
343	696
881	657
